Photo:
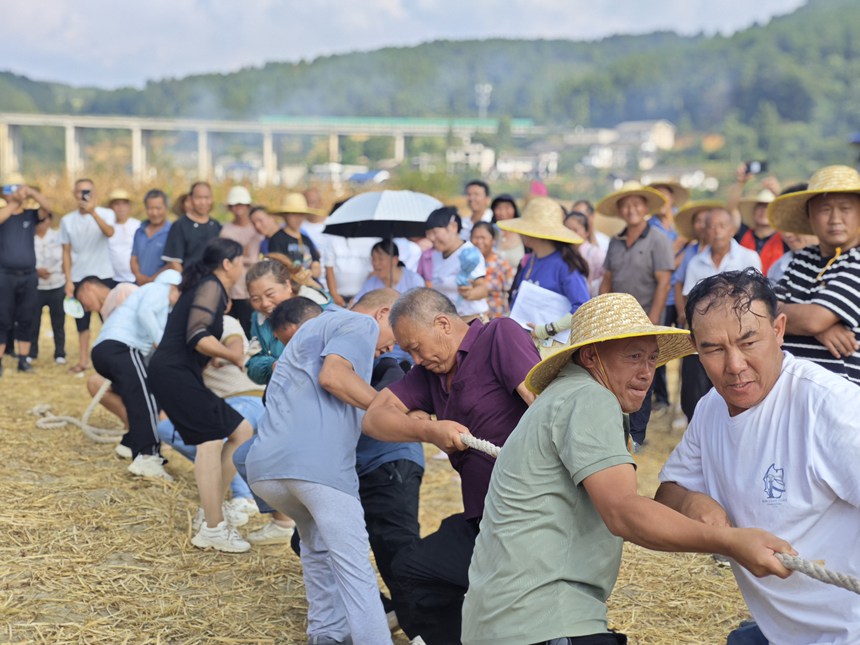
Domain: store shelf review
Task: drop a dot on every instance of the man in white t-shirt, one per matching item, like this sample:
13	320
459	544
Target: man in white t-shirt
773	445
122	239
85	234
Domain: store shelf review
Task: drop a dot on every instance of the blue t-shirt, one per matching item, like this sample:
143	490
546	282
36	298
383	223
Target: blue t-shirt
307	433
672	234
148	250
551	272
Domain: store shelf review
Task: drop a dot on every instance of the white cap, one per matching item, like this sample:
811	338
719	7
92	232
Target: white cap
238	195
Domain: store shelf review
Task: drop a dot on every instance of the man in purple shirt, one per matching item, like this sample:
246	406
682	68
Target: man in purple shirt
472	378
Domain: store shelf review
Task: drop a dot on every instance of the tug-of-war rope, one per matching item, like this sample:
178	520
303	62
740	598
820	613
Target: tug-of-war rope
49	421
793	562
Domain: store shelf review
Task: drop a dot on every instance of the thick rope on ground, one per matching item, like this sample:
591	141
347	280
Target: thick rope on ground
48	421
815	570
481	445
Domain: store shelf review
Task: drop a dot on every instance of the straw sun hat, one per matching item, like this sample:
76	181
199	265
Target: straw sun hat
680	195
294	204
747	206
542	218
118	195
788	212
610	316
684	217
609	204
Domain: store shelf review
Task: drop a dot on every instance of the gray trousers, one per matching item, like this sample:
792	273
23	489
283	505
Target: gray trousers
343	595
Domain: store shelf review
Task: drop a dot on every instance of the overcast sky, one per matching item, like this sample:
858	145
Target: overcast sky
109	43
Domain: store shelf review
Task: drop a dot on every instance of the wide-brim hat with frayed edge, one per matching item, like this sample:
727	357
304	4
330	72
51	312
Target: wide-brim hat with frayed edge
118	195
238	195
542	218
293	204
610	316
684	217
609	204
788	212
747	206
680	195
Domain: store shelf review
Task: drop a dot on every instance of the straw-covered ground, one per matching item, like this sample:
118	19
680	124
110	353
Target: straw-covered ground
88	554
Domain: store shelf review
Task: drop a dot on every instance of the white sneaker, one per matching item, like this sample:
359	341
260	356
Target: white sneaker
221	538
123	452
233	517
244	505
149	466
271	534
60	360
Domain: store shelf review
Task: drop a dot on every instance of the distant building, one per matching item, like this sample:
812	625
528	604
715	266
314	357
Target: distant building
540	165
474	157
659	135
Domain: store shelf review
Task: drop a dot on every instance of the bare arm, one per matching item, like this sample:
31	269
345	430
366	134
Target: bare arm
211	346
661	295
478	290
176	266
106	229
331	283
67	270
696	506
808	319
44	204
338	378
606	283
141	279
654	526
388	419
526	394
7	210
316	269
680	305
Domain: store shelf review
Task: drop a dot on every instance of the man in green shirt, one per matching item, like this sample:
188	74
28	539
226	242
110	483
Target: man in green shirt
562	497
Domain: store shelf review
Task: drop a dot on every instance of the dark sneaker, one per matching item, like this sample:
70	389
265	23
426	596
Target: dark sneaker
24	365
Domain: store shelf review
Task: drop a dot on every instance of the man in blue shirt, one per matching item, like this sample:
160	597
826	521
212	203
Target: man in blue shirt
303	462
150	238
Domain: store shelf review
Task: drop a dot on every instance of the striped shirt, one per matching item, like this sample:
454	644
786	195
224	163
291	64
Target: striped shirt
837	290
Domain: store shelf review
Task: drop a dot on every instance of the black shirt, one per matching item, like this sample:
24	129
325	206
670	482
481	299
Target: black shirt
17	249
302	252
187	240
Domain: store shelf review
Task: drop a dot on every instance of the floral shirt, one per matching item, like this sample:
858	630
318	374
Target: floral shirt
500	276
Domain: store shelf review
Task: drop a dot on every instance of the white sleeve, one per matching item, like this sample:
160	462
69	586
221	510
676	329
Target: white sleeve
691	278
684	465
837	443
326	255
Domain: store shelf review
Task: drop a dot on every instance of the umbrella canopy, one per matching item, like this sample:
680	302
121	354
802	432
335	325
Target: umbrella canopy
386	213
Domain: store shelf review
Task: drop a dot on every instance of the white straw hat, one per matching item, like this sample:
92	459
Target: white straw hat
684	217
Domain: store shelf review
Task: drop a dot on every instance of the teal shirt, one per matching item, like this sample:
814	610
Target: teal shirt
544	562
259	366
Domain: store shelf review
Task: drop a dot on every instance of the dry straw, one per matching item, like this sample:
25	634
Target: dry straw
93	556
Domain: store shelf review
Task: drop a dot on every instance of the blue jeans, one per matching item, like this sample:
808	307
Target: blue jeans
239	458
250	407
747	634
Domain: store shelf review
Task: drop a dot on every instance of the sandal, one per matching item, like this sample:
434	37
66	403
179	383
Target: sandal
79	369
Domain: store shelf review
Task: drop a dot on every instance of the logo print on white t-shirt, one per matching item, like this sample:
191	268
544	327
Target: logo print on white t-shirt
774	482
